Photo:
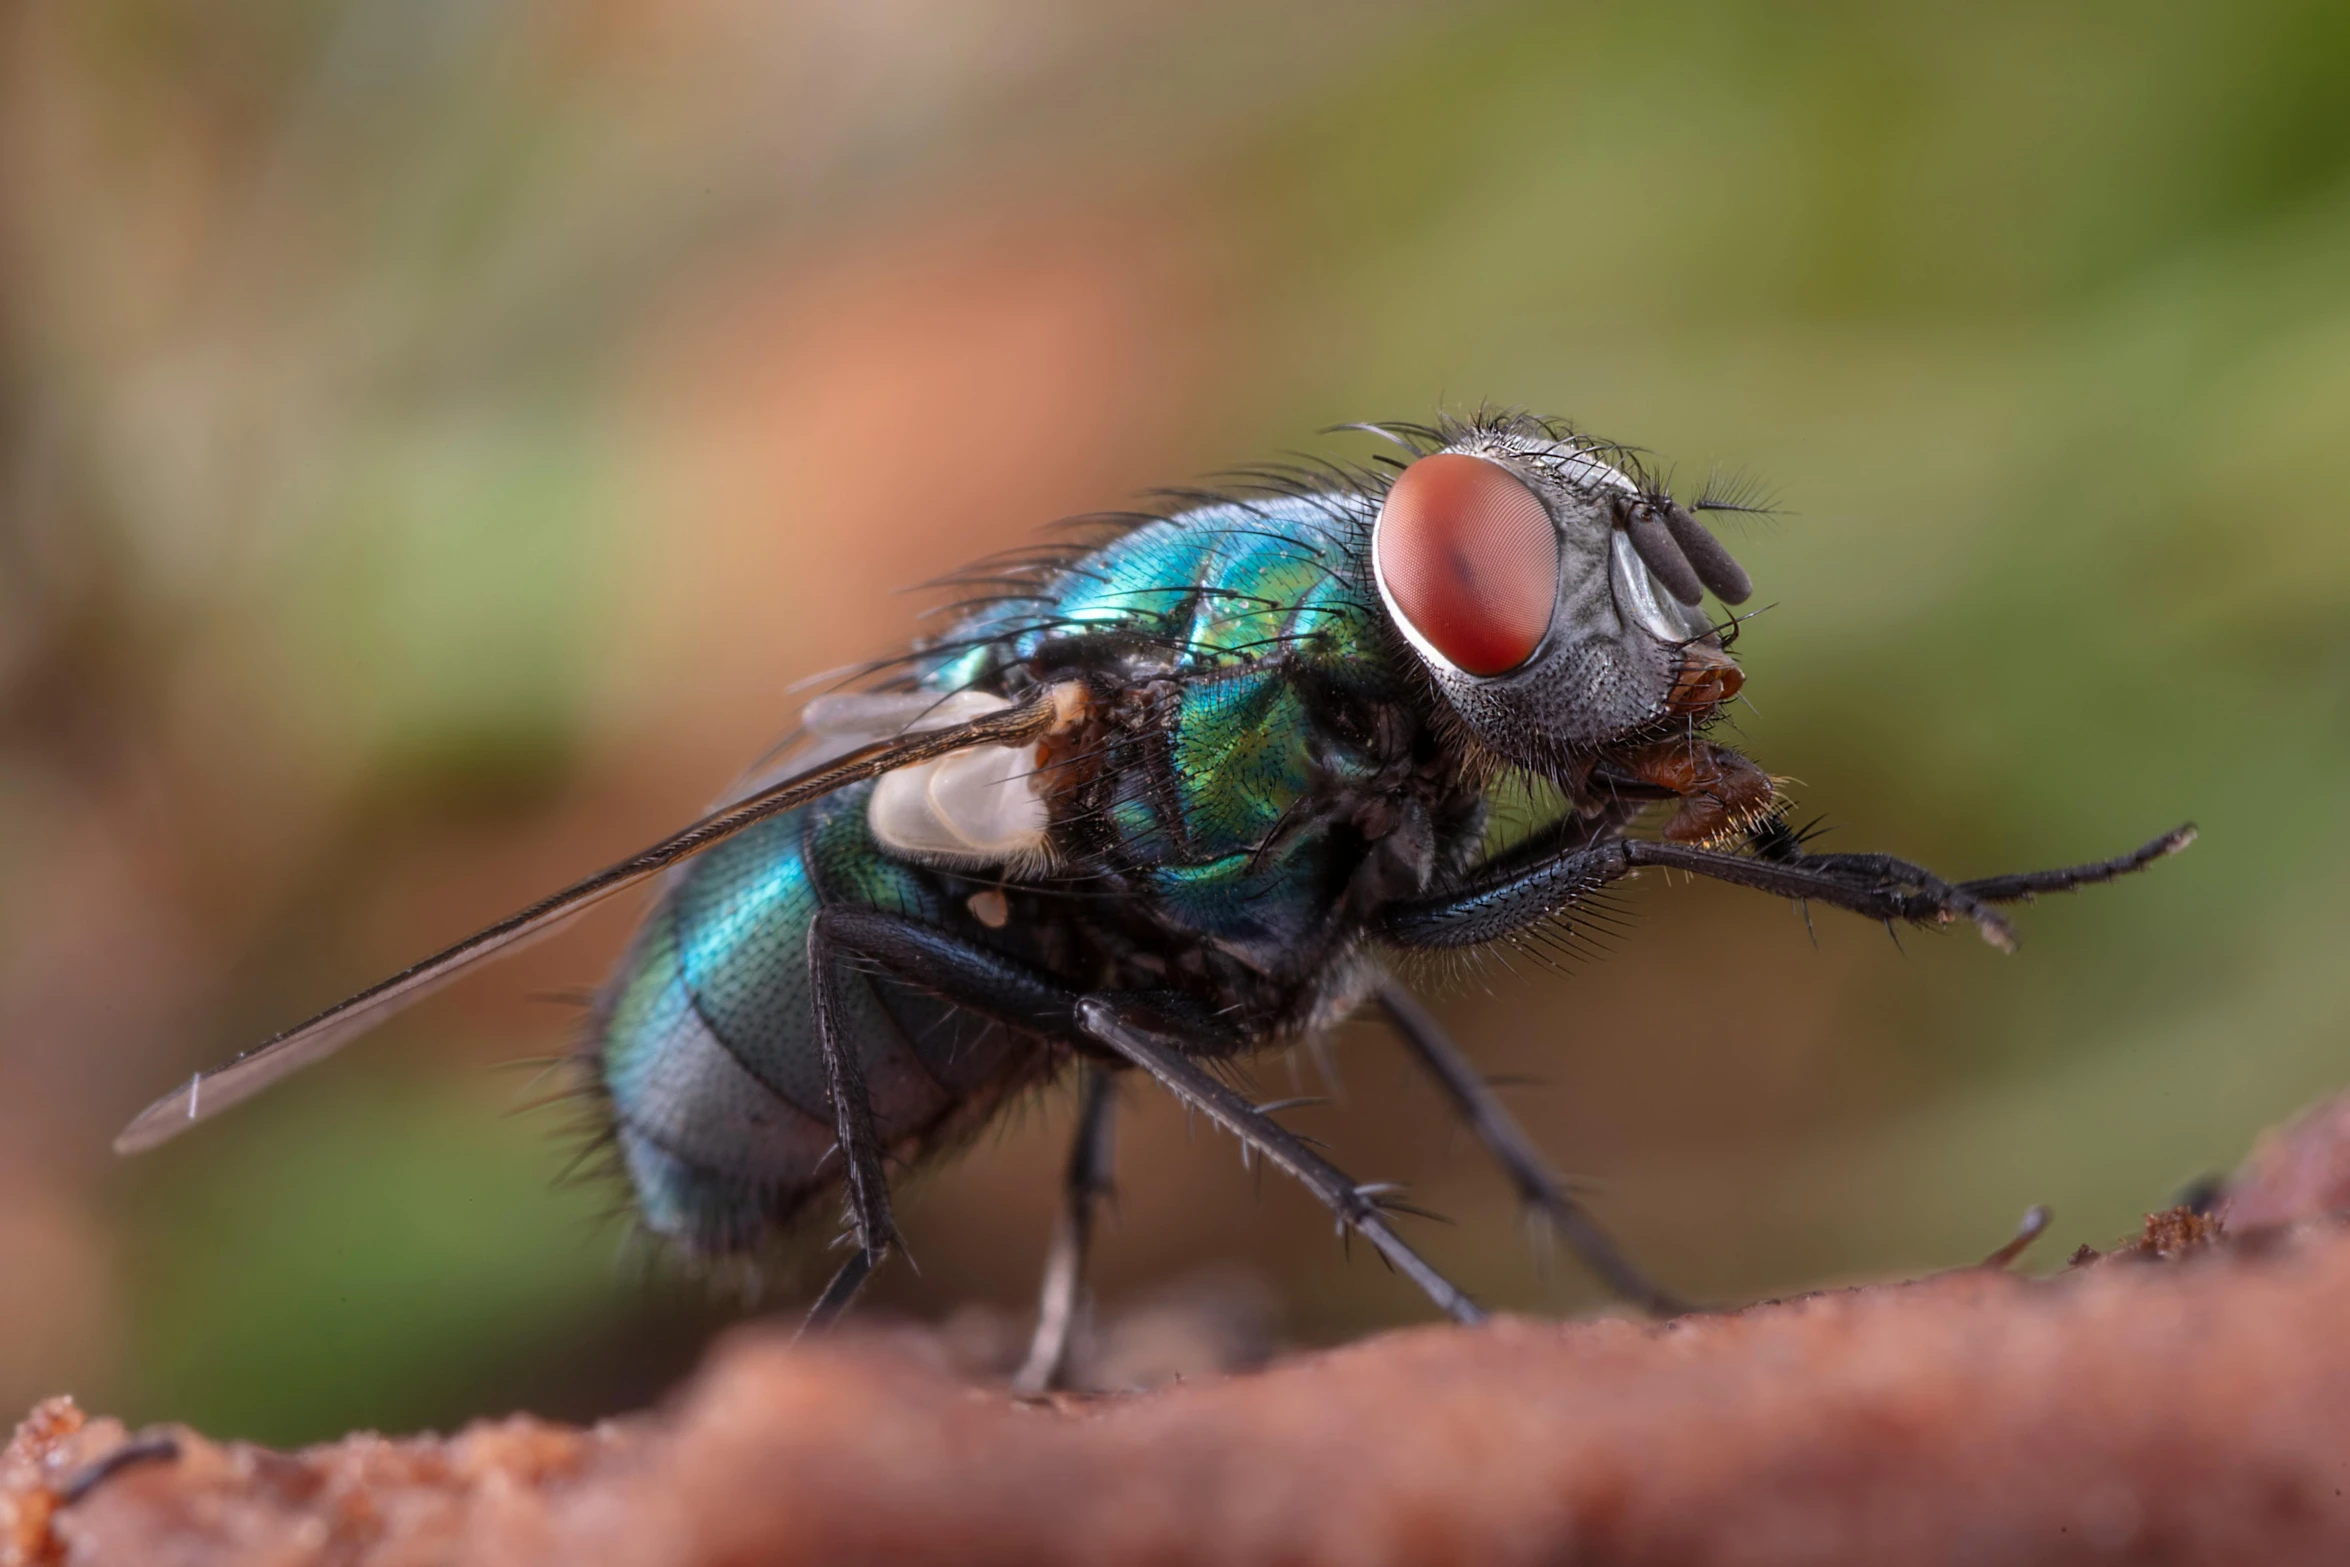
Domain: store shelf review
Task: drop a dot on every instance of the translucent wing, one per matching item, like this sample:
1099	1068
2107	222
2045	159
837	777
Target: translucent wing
1048	708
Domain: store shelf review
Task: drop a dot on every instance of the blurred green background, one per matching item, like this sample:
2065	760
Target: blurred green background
434	438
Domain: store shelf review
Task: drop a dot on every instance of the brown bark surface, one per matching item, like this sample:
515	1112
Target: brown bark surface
2184	1398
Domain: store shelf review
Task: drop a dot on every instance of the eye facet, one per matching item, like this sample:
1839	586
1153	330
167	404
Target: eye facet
1468	559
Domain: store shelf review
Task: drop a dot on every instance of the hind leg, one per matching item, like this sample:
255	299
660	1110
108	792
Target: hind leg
943	964
872	1224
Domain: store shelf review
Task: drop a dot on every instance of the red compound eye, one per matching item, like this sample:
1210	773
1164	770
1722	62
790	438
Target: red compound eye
1470	560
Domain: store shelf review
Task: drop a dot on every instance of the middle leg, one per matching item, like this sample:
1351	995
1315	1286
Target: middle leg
1539	1187
1120	1023
1126	1028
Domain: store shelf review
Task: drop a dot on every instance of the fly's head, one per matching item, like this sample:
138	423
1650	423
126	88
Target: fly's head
1557	604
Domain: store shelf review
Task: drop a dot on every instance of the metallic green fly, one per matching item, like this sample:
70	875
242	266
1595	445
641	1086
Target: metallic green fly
1167	797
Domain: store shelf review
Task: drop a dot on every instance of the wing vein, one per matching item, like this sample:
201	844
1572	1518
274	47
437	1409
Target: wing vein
209	1093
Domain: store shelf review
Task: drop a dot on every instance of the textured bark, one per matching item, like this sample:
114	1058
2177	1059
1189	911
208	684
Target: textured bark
2183	1398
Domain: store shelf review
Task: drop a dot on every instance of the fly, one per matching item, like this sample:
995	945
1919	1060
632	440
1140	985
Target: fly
1165	799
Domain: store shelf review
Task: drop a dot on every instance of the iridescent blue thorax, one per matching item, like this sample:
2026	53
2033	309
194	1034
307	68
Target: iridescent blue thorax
1280	689
1222	585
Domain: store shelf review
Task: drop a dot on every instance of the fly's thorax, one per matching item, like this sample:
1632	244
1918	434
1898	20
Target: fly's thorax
1555	603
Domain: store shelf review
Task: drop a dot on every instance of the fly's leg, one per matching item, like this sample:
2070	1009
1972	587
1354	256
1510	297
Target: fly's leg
841	1291
1507	1143
1119	1023
1882	887
939	962
1130	1029
875	1228
1498	905
1877	886
1085	1186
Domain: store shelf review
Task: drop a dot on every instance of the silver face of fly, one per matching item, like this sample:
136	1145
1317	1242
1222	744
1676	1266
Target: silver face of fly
1161	799
1555	603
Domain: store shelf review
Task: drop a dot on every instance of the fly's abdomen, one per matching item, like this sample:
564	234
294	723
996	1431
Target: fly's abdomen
708	1050
707	1146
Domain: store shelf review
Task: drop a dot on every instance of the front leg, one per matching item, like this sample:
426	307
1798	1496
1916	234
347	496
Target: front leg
1877	886
1885	888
